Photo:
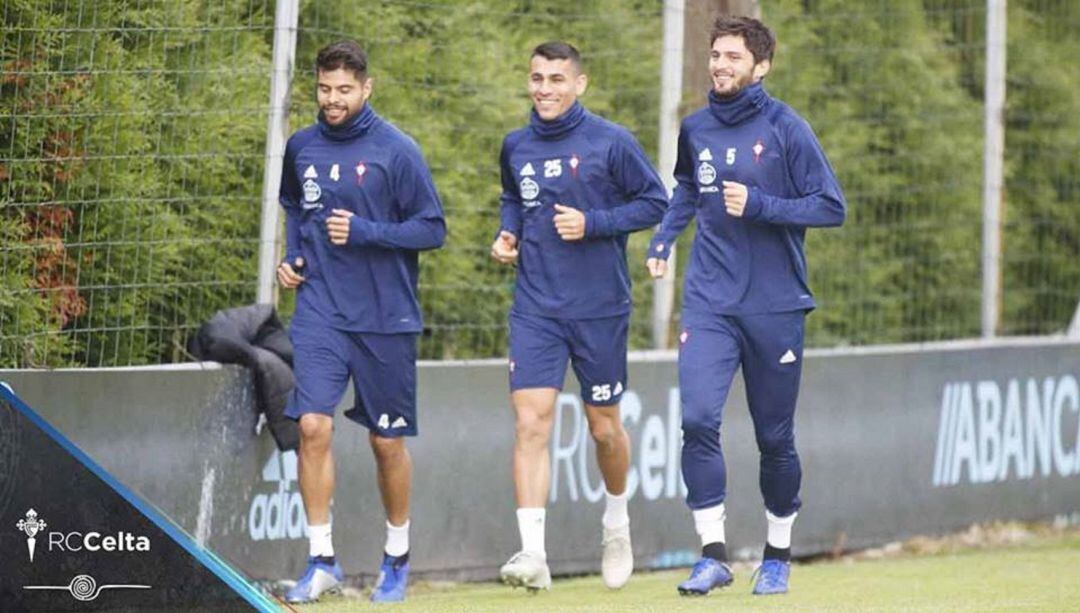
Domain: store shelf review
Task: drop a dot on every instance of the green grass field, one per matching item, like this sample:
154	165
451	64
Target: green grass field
1040	573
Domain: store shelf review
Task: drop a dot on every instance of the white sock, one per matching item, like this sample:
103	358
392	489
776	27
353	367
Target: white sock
709	524
615	515
319	541
779	535
397	539
531	527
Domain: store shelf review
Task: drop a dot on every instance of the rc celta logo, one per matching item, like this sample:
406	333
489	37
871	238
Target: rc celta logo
74	542
31	526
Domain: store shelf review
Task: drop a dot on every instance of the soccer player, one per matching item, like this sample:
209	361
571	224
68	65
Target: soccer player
753	173
360	206
573	186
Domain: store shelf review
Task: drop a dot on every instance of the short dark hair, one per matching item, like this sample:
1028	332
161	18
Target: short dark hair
558	50
342	54
758	37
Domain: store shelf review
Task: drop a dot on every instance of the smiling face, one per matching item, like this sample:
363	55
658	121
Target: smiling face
554	85
341	95
732	66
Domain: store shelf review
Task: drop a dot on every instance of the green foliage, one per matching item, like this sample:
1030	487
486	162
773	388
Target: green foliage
904	138
37	164
1041	239
132	139
148	136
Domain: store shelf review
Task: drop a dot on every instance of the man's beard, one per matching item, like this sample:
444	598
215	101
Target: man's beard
740	84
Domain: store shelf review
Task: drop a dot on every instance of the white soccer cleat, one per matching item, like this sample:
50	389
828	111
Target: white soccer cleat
617	563
527	569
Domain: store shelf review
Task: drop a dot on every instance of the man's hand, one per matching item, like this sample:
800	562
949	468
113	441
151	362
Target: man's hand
504	249
735	198
287	276
657	267
338	226
569	222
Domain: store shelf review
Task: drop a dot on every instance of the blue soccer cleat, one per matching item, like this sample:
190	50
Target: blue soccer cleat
393	578
706	575
772	577
319	579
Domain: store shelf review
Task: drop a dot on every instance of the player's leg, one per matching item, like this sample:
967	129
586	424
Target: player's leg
534	410
772	369
598	355
534	417
321	373
394	466
613	457
538	356
317	479
384	370
708	359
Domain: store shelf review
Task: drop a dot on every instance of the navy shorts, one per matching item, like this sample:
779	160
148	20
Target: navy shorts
382	367
596	348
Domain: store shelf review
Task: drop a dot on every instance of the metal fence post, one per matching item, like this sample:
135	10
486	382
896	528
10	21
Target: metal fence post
277	130
993	165
671	68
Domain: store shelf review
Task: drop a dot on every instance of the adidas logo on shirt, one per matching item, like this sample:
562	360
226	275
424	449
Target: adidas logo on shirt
705	155
310	173
527	170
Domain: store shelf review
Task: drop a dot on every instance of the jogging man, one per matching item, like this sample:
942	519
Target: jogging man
753	173
574	185
360	206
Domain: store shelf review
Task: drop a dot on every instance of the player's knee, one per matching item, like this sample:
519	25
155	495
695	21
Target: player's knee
533	427
699	424
387	449
777	444
315	430
605	432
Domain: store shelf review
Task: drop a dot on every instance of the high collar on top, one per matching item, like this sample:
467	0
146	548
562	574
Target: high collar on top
741	106
560	125
356	126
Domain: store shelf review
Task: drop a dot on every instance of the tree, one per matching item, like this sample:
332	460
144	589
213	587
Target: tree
904	137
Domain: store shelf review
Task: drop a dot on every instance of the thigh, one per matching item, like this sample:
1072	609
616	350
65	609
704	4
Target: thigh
772	364
383	368
708	360
598	356
320	367
538	353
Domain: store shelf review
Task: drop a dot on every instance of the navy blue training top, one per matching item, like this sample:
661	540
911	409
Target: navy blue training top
585	162
754	263
371	168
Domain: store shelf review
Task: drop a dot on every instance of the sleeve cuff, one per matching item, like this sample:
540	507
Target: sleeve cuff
360	231
596	224
659	249
754	204
498	232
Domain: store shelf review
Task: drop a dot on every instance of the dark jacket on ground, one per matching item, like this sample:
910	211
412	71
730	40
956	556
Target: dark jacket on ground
253	336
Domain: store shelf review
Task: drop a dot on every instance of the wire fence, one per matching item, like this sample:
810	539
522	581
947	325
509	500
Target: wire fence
132	137
454	75
130	168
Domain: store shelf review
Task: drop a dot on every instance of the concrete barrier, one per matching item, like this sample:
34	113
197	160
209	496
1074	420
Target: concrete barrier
895	441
